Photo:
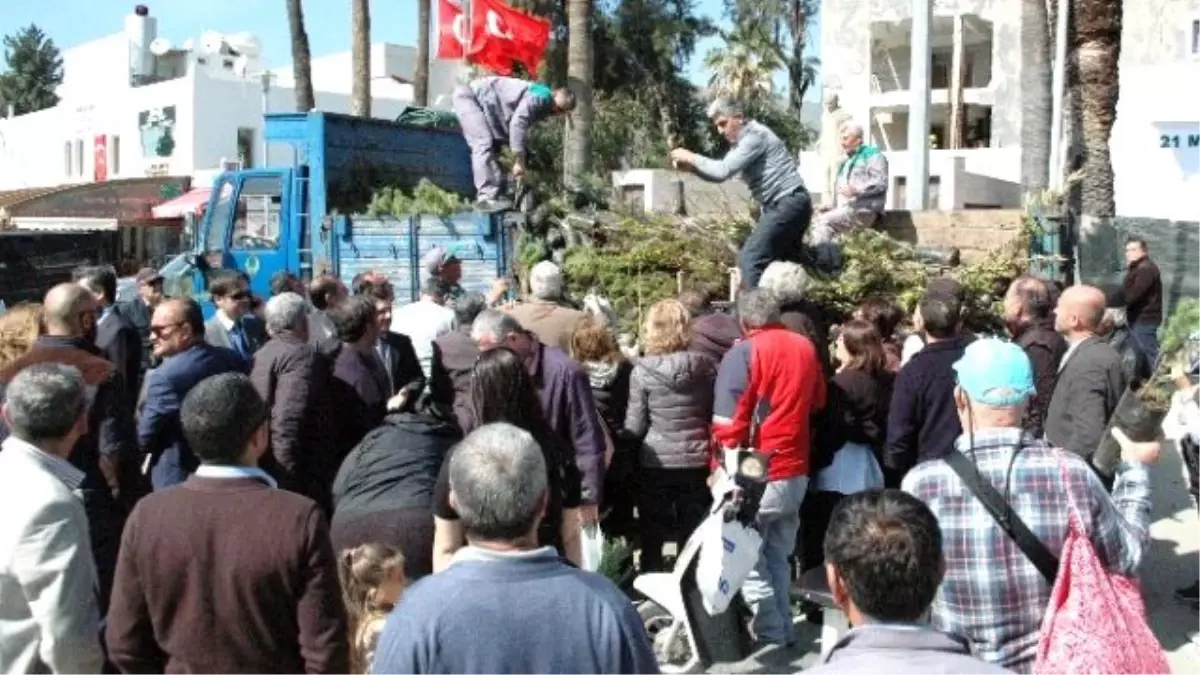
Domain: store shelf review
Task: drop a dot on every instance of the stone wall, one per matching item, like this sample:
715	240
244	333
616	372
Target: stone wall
973	233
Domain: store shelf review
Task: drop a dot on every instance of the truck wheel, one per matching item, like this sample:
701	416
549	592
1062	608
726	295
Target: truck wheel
672	649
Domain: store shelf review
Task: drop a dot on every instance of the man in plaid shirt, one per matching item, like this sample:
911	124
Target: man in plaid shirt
992	594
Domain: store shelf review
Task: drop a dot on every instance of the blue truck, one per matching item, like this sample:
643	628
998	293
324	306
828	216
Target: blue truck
298	216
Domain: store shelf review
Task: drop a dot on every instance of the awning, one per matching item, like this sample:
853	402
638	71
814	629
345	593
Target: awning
192	202
62	225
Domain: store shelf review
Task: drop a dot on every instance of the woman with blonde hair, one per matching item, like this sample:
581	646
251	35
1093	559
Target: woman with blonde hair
372	577
19	328
669	418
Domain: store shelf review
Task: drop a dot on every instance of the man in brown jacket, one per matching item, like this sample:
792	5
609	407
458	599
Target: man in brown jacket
225	573
545	314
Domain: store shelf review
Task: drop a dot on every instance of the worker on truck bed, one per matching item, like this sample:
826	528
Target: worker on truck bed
494	111
764	163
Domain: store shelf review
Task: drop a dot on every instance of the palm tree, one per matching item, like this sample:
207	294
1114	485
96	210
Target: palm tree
1036	95
1097	25
360	54
421	76
743	68
580	75
301	57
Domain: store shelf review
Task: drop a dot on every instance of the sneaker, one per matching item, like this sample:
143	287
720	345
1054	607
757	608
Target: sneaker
1189	595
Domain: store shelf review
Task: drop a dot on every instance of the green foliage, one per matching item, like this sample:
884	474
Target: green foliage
616	562
34	71
862	276
426	198
1176	337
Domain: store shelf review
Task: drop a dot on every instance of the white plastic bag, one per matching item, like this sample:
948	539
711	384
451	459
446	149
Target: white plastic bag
591	544
728	553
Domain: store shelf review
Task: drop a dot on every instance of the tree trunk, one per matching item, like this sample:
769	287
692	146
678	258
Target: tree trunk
1097	51
580	74
421	77
301	57
360	47
958	107
797	86
1036	95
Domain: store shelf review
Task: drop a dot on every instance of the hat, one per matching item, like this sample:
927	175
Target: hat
147	275
436	258
995	373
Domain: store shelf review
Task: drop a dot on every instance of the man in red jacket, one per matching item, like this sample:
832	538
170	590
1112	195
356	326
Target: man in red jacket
768	386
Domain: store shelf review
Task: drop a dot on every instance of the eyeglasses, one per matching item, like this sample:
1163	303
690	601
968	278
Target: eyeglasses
239	296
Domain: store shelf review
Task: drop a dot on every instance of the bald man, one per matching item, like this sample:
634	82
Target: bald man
177	336
1090	379
105	455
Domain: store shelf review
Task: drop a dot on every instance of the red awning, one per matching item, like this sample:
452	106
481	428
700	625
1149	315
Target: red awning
190	202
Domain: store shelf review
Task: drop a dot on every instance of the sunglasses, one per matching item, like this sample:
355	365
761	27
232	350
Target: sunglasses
159	330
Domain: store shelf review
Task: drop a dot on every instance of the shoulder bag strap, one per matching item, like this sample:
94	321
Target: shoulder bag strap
1005	517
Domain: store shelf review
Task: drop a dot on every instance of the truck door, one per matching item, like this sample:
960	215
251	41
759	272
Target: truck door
248	229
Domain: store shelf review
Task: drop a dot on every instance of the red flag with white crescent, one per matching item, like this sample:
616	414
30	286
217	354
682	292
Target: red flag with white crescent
503	35
452	35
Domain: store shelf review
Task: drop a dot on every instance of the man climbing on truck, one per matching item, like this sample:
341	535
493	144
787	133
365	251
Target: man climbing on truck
769	171
494	111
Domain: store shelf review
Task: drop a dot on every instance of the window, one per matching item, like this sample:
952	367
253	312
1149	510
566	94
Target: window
114	155
245	147
1194	38
259	209
79	157
67	163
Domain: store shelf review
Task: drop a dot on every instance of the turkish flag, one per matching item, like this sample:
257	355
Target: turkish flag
452	35
502	35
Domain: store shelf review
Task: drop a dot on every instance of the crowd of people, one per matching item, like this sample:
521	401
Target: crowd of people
329	482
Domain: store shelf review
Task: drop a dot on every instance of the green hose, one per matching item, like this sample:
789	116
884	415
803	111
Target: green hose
428	118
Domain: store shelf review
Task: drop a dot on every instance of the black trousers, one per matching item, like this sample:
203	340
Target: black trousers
778	235
814	521
671	505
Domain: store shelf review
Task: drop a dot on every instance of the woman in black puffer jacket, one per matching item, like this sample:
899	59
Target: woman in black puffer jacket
670	419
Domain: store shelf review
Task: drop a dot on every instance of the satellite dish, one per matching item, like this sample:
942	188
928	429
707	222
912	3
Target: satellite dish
245	44
212	42
188	45
160	46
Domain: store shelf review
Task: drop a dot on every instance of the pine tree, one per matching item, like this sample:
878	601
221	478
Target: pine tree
35	69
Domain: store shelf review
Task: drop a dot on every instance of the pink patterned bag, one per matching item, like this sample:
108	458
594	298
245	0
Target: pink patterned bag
1096	619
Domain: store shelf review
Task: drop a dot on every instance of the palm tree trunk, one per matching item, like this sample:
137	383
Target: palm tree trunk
1097	51
301	57
421	77
1036	95
360	48
580	74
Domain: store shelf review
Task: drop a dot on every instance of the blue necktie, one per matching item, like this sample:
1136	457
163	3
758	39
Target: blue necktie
237	337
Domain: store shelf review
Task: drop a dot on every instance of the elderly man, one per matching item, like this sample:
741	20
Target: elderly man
496	111
47	581
565	394
768	388
292	378
763	161
546	315
105	452
504	605
861	189
225	573
178	332
1090	378
993	594
1028	314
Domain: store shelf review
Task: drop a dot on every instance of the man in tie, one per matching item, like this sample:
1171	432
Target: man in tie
233	326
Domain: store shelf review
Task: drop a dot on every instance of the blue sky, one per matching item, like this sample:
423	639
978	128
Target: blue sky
72	22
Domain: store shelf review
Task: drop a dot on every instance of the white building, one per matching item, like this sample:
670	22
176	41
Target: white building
134	105
1155	154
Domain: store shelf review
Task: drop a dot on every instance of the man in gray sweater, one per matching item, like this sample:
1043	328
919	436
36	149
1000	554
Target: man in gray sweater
765	164
504	605
494	111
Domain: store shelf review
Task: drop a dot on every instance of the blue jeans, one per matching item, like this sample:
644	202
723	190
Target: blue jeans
1145	340
777	236
767	588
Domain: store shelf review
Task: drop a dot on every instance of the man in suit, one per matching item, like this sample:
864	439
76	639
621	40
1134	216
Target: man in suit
395	350
140	309
325	291
47	580
105	453
1090	379
233	326
178	329
116	336
225	573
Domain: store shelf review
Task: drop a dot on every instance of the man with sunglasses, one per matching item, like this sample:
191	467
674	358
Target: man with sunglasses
764	163
234	326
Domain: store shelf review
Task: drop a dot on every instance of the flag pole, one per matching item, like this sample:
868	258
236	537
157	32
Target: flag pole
468	22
